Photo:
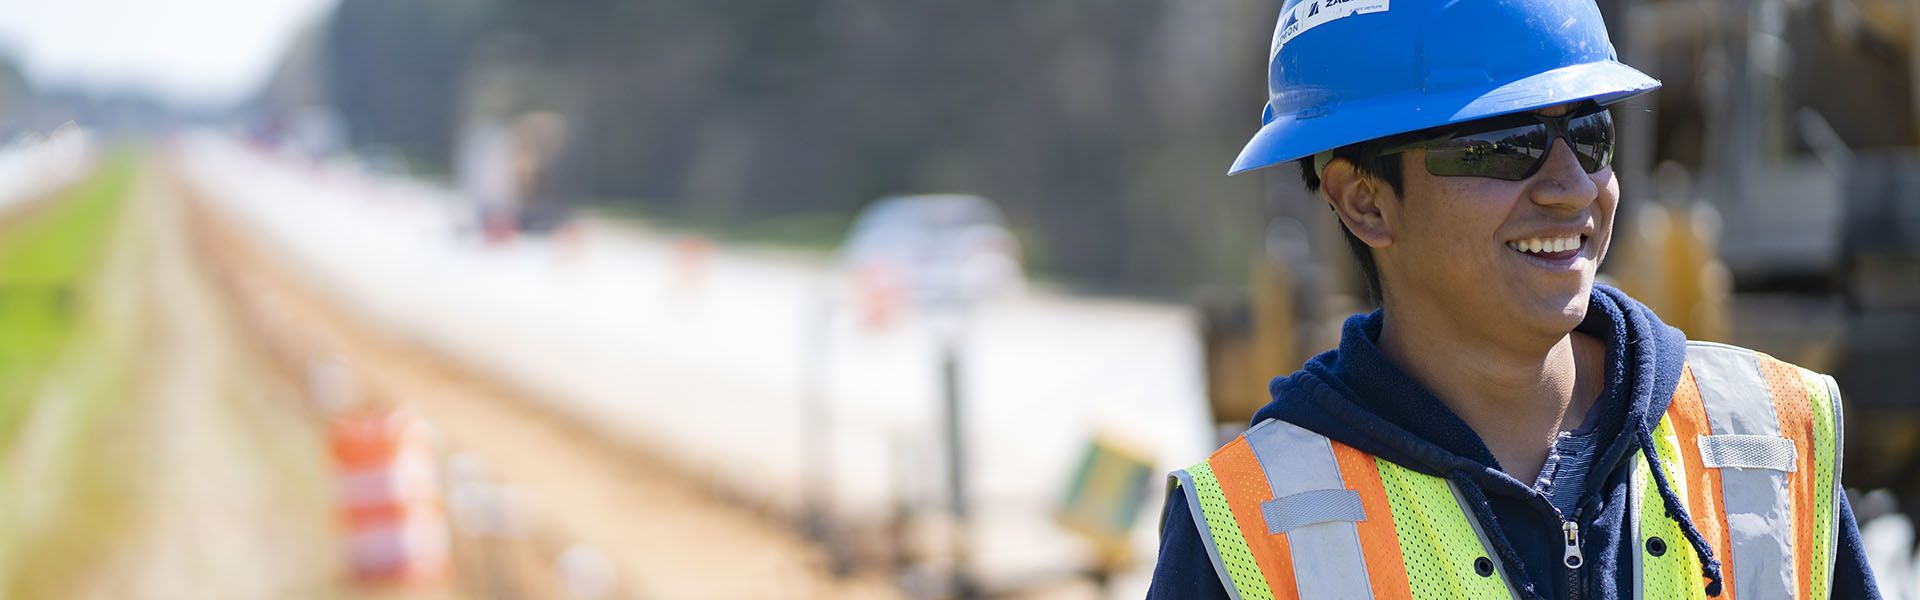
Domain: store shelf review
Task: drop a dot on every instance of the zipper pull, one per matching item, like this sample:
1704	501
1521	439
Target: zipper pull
1572	558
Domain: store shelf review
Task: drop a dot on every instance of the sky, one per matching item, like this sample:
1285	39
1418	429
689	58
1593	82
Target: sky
188	52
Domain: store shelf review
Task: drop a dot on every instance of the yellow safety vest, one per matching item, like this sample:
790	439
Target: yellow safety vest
1751	445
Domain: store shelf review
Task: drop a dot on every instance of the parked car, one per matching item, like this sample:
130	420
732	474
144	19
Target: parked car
932	252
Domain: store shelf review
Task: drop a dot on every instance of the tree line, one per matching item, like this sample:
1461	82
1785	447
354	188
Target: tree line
1102	127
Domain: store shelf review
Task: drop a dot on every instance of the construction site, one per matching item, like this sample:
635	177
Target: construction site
775	300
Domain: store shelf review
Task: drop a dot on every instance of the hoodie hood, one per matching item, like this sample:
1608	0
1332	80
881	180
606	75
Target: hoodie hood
1353	394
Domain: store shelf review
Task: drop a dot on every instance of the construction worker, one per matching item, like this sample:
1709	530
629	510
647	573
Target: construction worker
1502	426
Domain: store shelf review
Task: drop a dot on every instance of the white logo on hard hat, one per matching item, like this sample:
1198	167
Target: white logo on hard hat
1314	13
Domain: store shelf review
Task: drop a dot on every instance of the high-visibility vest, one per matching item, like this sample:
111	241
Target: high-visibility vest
1750	444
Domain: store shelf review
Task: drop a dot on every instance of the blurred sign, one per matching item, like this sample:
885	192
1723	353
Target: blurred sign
1104	497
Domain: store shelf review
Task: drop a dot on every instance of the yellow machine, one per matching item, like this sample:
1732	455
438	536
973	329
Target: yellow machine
1670	262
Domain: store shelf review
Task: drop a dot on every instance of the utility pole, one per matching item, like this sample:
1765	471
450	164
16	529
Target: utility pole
953	398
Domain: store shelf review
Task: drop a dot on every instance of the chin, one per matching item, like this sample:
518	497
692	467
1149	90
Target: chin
1560	313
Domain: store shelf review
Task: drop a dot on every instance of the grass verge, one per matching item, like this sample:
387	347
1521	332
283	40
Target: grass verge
61	370
48	259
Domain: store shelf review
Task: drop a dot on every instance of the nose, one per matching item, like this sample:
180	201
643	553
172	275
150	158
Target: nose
1561	183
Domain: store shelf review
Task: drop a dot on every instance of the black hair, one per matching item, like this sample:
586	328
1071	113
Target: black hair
1368	161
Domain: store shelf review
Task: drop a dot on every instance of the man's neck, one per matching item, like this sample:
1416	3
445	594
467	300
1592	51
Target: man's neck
1517	392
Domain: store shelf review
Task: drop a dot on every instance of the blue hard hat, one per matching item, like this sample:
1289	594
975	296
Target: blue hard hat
1347	71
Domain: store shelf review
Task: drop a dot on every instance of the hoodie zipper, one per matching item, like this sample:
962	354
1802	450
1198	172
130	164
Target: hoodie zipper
1571	558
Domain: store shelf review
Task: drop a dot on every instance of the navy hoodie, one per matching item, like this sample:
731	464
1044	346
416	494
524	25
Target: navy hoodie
1354	395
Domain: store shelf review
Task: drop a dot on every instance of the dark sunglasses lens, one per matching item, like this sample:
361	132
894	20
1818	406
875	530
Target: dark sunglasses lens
1591	138
1508	154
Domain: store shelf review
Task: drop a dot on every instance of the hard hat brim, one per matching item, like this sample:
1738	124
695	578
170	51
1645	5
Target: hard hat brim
1292	137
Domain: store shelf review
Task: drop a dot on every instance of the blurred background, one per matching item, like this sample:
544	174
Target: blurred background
775	299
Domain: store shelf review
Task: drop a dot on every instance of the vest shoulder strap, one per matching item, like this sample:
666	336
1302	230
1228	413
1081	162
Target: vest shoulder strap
1766	435
1288	513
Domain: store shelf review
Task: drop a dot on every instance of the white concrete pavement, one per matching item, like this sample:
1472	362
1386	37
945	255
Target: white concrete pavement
707	369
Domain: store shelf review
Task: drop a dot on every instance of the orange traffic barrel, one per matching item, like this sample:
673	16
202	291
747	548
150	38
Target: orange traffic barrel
390	501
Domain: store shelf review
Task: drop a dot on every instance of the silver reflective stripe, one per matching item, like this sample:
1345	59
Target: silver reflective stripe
1839	492
1760	528
1312	508
1636	496
1327	562
1486	545
1206	533
1759	516
1294	459
1748	452
1735	395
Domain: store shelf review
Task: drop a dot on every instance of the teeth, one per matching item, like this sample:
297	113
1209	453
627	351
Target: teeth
1546	245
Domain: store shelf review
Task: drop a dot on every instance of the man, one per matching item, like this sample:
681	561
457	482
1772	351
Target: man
1501	427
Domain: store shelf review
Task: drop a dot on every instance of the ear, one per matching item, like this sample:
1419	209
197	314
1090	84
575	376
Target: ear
1361	202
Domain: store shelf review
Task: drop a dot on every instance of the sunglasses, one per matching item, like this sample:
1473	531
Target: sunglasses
1512	147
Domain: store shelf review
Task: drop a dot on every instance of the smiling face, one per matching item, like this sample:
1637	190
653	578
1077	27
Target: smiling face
1497	257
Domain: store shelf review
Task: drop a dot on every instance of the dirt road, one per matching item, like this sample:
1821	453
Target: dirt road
161	459
667	535
177	449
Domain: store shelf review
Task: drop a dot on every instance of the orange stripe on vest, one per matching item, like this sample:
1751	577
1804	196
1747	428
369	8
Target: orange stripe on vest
1796	423
1245	486
1689	419
1379	541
